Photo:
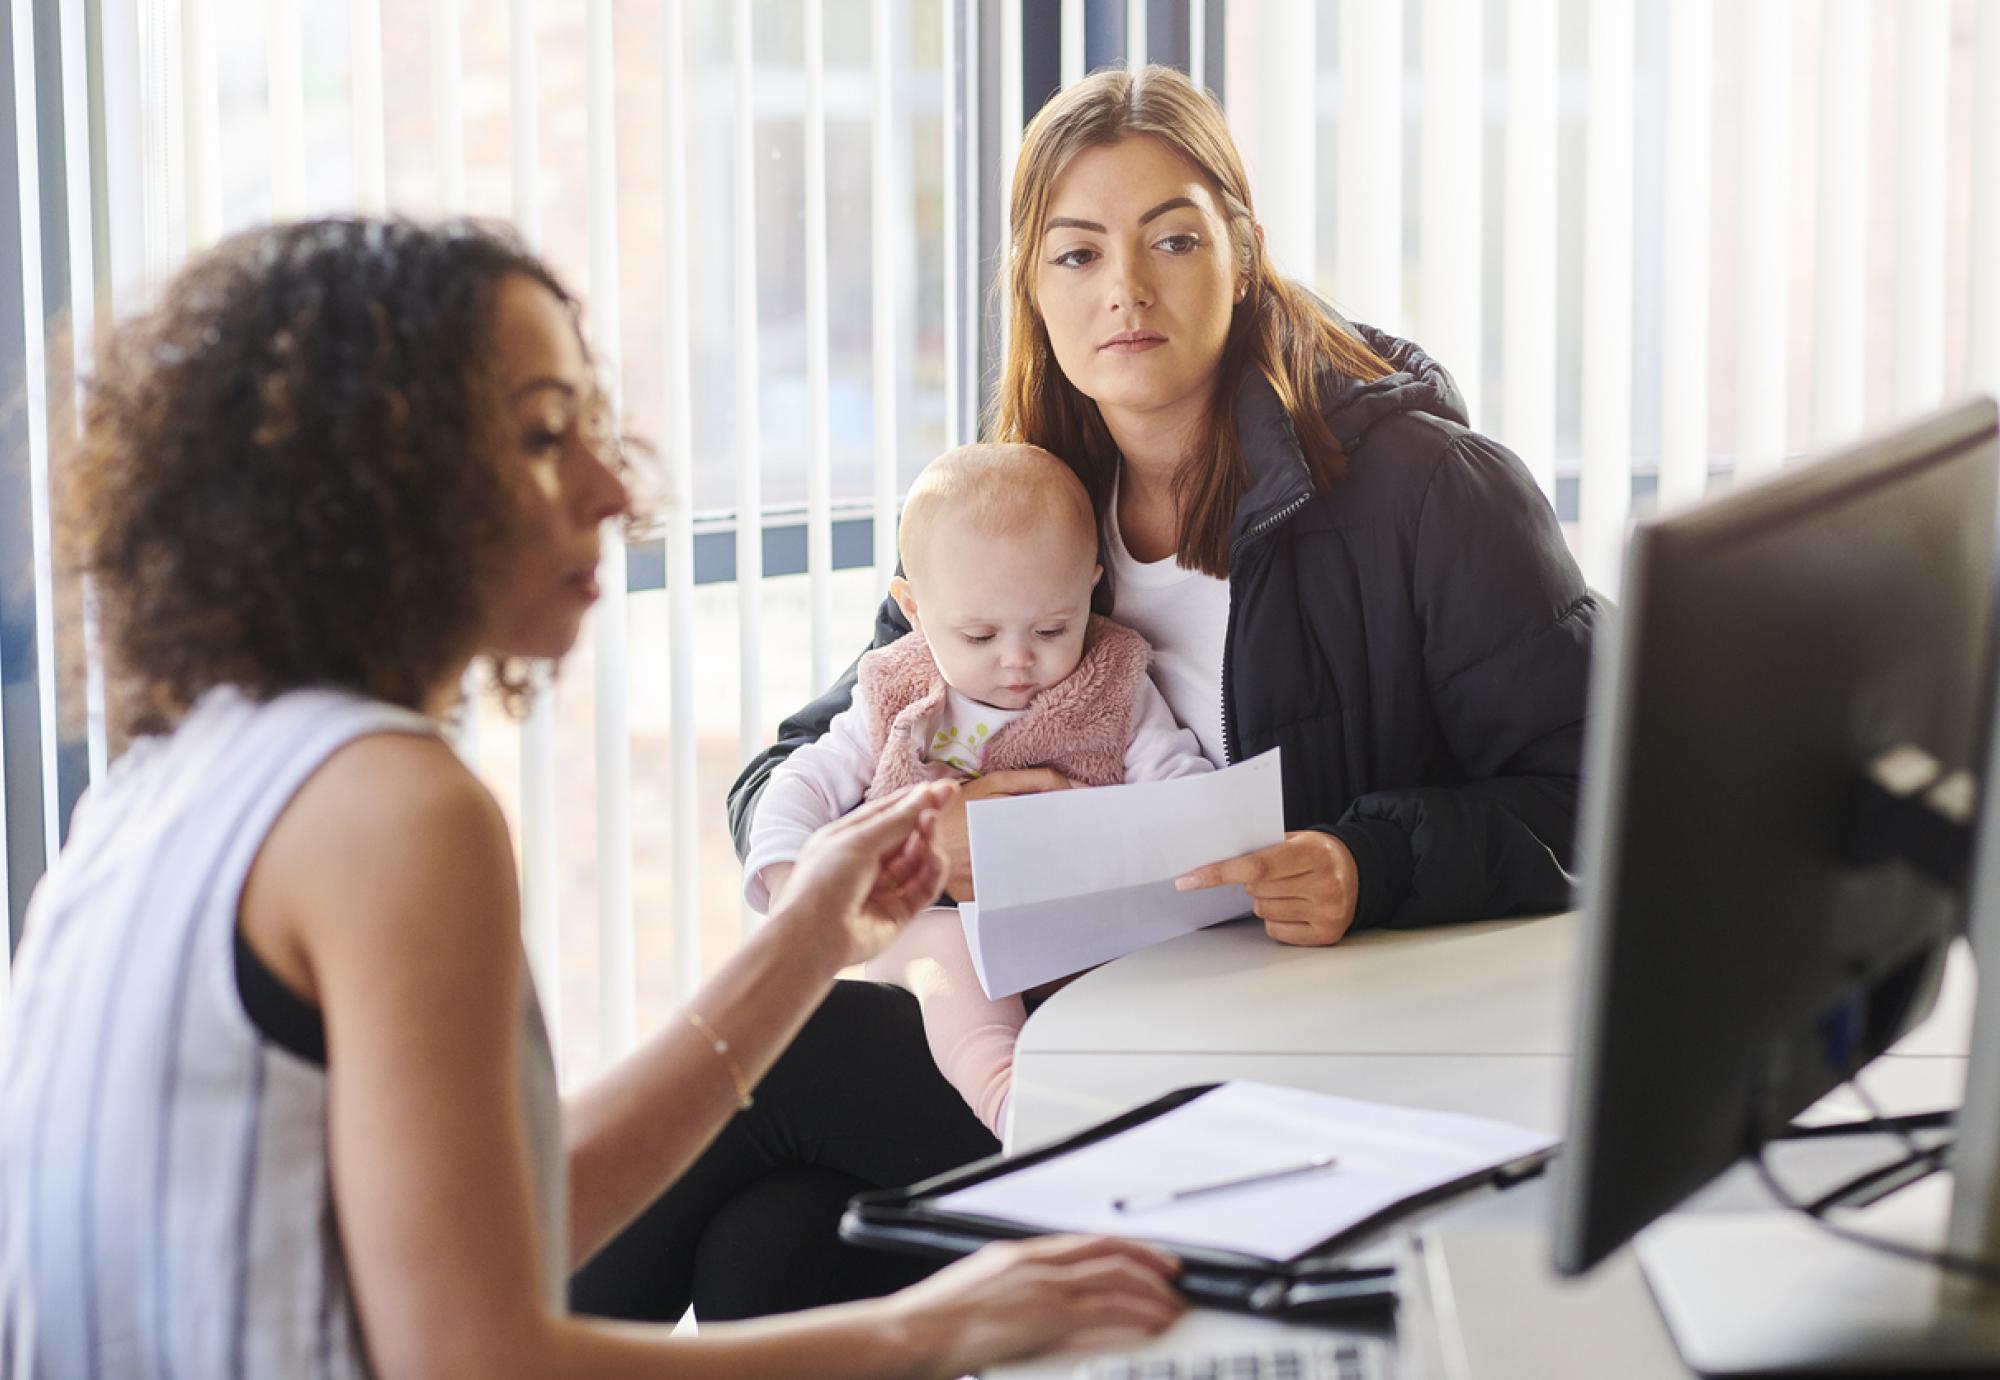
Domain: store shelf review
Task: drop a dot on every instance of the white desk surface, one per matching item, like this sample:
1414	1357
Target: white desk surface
1468	1018
1462	1018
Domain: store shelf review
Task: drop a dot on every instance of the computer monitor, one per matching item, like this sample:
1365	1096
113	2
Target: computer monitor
1741	957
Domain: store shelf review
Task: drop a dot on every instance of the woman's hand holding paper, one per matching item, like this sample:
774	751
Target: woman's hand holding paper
1303	888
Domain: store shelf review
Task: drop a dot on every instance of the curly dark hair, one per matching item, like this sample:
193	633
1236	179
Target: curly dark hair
286	471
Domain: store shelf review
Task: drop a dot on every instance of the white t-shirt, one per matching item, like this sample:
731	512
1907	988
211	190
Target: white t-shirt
959	737
1185	615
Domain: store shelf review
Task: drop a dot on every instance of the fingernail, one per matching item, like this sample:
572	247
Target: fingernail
1186	883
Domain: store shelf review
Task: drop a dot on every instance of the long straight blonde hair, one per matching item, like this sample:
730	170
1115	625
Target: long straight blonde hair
1277	329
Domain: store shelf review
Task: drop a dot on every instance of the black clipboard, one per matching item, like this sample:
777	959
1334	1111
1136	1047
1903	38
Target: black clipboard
1322	1281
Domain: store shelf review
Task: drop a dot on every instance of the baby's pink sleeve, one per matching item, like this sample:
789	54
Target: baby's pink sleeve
971	1036
813	787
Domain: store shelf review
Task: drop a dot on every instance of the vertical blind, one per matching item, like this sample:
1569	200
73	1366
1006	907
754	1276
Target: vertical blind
1644	235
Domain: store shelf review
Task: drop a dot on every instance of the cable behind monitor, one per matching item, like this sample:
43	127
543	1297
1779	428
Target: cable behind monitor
1934	1157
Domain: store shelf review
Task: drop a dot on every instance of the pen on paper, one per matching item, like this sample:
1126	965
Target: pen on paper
1140	1202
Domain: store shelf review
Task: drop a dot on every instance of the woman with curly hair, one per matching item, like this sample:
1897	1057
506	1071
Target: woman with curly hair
276	1098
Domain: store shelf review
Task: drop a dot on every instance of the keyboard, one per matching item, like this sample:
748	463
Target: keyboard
1353	1359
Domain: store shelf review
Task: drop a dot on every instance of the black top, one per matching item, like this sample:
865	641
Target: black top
281	1015
1417	639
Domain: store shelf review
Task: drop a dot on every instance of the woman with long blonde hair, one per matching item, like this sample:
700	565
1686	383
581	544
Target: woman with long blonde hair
1326	558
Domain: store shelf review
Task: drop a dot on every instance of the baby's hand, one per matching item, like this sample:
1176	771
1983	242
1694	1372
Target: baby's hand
951	837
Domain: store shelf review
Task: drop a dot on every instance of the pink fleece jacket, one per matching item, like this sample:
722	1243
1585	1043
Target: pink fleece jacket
1081	726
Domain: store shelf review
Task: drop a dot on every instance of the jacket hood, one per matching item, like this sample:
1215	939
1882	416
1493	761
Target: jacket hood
1277	468
1419	384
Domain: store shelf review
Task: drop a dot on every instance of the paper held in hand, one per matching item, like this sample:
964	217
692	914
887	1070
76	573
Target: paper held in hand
1070	879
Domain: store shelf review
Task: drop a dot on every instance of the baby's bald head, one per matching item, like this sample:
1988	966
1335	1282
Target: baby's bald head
999	556
998	490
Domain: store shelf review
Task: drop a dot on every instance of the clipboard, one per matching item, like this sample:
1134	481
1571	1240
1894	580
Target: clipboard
1325	1280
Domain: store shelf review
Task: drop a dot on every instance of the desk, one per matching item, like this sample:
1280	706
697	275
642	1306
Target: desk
1465	1018
1468	1018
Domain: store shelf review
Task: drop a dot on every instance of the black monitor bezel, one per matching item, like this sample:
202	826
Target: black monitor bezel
1587	1227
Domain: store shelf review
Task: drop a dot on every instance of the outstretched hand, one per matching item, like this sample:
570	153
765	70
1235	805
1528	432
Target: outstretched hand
1303	888
871	870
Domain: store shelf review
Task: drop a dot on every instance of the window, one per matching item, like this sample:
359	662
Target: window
1658	244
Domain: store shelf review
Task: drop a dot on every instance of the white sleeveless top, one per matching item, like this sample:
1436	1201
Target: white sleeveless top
165	1208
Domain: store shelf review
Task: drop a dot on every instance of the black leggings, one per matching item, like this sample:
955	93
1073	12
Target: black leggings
854	1104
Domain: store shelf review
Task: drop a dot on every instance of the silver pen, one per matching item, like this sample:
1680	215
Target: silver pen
1141	1202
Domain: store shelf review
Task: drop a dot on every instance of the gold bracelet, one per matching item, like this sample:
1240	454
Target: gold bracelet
721	1047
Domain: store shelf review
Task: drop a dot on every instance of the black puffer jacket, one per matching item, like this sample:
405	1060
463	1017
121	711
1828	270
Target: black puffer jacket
1417	641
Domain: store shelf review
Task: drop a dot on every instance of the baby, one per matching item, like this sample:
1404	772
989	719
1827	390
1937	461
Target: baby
1007	668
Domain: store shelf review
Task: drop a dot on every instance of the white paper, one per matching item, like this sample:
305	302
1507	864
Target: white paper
1383	1155
1070	879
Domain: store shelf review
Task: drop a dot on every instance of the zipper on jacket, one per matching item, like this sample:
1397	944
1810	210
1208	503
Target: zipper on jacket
1228	633
1229	626
1268	523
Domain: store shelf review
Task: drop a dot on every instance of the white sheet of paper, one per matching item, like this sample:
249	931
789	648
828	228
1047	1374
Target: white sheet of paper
1070	879
1383	1154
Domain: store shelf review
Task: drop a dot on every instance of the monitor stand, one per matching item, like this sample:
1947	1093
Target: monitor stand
1772	1293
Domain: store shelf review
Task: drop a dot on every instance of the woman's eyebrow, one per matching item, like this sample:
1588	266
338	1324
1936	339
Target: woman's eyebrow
1173	203
545	381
